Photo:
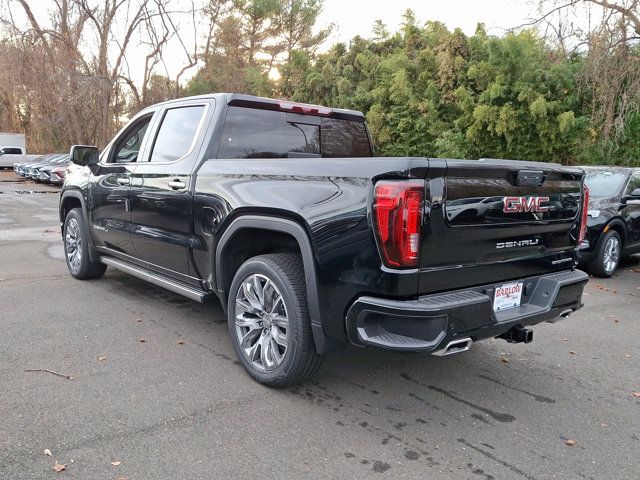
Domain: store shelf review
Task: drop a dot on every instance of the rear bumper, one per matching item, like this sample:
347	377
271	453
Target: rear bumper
585	256
429	323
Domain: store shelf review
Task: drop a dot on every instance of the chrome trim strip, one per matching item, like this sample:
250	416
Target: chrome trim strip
159	280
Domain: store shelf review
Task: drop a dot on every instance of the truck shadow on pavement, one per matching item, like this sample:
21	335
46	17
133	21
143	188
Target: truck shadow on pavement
419	407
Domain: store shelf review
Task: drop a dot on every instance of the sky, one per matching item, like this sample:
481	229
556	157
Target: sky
356	17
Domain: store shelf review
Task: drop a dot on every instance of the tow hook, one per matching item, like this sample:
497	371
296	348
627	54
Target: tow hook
518	334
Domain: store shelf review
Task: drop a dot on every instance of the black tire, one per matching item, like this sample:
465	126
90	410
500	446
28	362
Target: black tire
604	265
299	360
75	241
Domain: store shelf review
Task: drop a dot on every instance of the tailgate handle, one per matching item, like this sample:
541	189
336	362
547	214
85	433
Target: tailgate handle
530	178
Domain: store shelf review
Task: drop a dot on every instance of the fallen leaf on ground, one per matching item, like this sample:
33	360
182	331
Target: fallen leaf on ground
627	355
572	352
58	467
571	443
180	342
636	394
102	359
505	360
141	340
116	463
47	452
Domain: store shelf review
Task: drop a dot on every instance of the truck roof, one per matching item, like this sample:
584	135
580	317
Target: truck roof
252	101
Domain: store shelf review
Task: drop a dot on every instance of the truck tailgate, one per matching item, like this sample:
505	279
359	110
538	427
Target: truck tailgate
498	220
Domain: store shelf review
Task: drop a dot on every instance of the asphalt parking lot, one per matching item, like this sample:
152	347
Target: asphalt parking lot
156	393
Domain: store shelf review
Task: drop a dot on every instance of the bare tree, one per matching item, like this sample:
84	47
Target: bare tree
73	58
607	33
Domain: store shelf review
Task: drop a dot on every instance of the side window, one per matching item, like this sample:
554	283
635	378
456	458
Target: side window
127	148
176	133
633	184
343	138
255	133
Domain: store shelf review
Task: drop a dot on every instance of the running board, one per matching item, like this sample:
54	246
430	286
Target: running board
175	286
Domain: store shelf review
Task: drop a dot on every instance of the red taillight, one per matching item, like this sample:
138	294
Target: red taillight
397	212
59	171
305	109
583	215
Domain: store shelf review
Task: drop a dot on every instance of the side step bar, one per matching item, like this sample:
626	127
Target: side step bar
175	286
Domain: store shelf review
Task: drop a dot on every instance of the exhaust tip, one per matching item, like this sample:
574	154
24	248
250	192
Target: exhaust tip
564	314
455	346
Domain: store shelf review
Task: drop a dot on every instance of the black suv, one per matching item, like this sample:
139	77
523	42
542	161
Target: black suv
281	211
613	226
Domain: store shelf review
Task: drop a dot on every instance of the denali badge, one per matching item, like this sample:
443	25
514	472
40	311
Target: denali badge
518	243
524	204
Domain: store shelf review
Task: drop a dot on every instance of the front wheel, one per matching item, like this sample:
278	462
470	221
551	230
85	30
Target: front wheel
269	320
608	255
76	248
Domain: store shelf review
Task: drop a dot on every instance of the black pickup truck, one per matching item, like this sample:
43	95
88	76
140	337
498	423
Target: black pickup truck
310	242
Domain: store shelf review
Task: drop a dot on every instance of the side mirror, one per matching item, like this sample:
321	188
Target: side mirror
84	155
636	193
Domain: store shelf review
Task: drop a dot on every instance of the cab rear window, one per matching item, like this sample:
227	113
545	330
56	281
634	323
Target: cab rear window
255	133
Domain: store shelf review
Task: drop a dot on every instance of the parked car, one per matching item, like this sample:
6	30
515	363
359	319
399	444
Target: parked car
33	170
58	173
10	154
613	227
13	147
281	211
20	168
60	165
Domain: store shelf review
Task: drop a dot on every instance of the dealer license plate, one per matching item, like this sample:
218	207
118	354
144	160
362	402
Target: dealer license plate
507	296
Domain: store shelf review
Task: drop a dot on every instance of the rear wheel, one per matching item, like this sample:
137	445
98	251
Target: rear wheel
608	255
269	320
76	248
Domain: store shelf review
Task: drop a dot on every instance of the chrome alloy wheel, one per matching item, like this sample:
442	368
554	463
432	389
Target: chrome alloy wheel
611	254
73	244
262	323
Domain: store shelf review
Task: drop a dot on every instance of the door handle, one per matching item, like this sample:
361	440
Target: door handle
176	185
123	181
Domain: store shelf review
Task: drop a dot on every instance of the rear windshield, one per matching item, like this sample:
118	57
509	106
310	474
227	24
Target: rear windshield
604	183
255	133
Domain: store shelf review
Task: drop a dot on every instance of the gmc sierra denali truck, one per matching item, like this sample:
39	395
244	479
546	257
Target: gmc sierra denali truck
310	242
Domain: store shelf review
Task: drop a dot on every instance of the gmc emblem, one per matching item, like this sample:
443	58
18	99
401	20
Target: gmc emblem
524	204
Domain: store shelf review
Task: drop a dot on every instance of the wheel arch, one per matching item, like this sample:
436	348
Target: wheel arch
278	227
70	199
619	227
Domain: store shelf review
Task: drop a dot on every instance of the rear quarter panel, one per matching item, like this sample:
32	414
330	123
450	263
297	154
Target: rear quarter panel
329	198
